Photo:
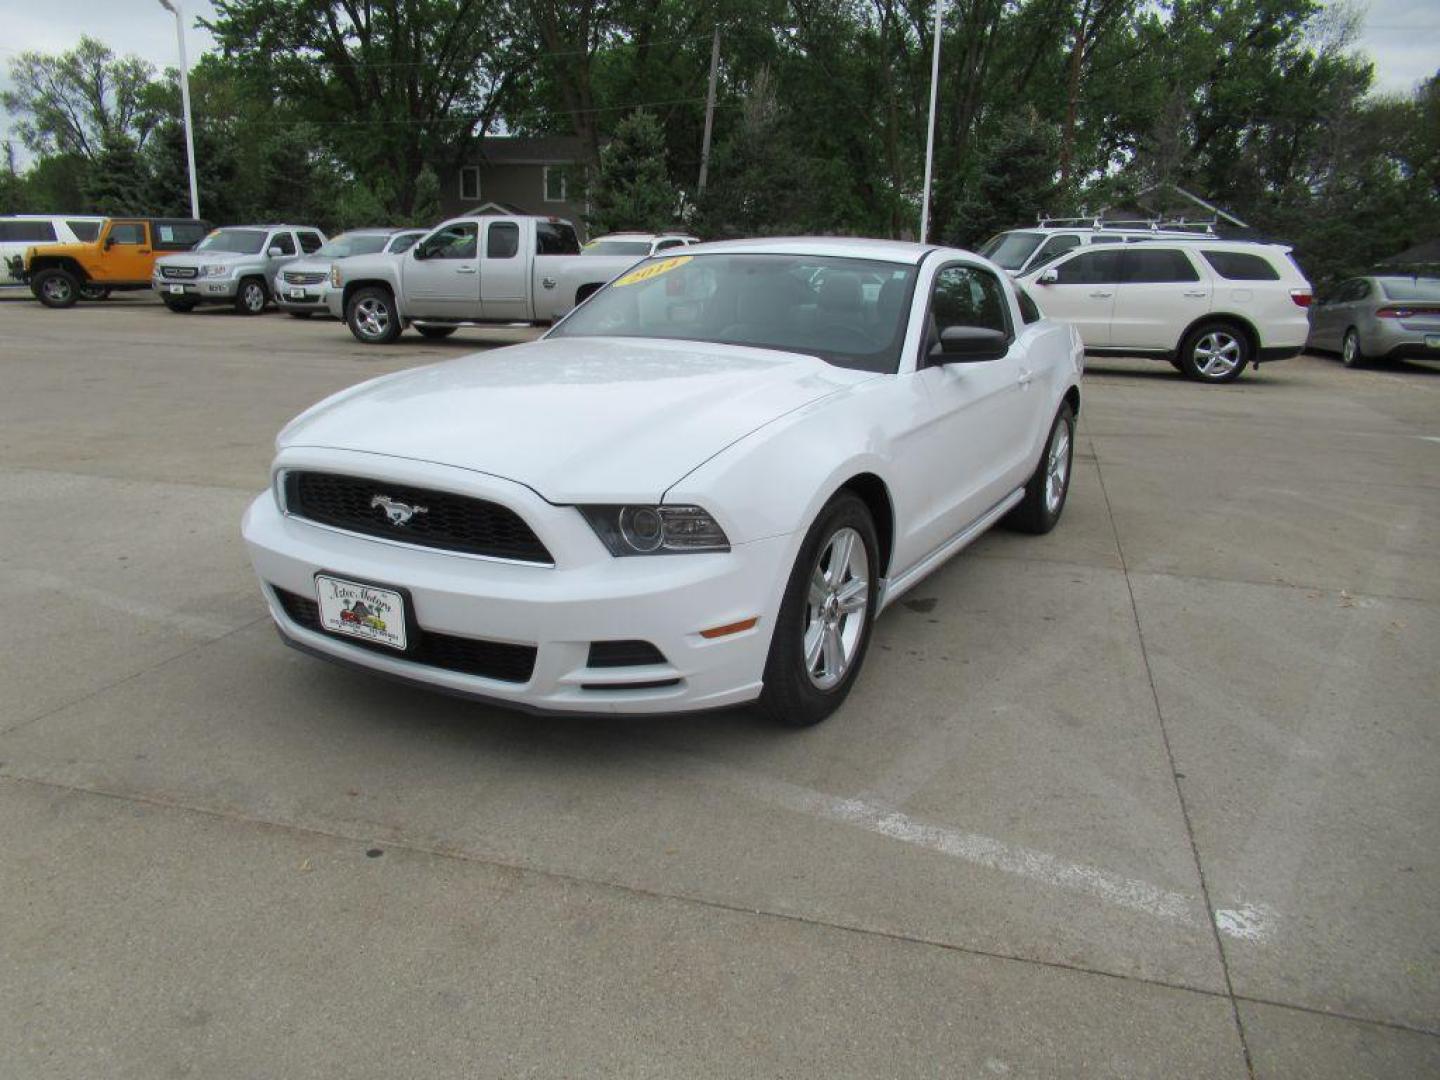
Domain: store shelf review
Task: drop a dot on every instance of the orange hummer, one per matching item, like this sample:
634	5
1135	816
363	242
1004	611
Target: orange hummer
122	256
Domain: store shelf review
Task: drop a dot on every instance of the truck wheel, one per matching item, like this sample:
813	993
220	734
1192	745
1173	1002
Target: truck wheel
94	292
1215	352
251	297
371	316
436	332
180	306
56	288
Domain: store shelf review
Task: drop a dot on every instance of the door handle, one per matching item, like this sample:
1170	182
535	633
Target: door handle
142	251
1025	377
1102	295
465	270
548	282
1196	295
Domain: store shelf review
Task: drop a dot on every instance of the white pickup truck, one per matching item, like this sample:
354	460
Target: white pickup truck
470	271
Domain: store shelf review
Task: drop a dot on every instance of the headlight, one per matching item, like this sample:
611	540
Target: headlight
655	530
335	275
217	270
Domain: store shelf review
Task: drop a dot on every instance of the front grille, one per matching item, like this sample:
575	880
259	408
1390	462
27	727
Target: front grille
179	272
449	522
470	656
612	654
303	279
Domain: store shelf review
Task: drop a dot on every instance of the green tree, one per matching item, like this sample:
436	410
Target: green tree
117	181
632	189
426	210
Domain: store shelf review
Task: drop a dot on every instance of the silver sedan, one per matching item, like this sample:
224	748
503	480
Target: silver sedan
1388	316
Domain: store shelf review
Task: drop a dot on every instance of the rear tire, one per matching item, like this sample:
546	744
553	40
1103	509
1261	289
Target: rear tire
823	630
251	297
1351	355
1049	485
1215	352
56	288
436	332
372	317
94	292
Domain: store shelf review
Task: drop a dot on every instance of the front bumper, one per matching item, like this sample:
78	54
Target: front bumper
311	298
587	596
197	289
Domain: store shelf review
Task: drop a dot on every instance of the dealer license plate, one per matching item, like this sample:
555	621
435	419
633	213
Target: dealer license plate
361	611
1432	341
177	289
297	294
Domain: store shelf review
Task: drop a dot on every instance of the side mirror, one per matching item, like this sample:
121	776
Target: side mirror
109	242
970	345
1048	277
275	253
418	252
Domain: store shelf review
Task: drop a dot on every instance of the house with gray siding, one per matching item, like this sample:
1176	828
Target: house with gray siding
542	174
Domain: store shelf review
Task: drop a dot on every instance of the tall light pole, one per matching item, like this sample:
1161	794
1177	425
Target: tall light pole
930	128
173	6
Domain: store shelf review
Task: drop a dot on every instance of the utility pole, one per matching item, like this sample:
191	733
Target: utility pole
710	108
930	128
173	6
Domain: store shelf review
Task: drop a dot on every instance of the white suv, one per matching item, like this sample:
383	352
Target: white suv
1020	251
19	232
1208	306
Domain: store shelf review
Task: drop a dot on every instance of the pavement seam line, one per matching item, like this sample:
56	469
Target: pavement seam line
458	855
131	677
1175	777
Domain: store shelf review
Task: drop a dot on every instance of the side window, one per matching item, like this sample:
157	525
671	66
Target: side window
1241	266
1148	265
1107	240
403	242
177	235
666	245
968	296
459	241
1091	268
282	240
1360	289
1028	311
470	183
502	240
310	242
29	232
1053	249
556	238
85	231
555	183
127	232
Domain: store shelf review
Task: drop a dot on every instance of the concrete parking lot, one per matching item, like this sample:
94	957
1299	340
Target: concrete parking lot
1154	795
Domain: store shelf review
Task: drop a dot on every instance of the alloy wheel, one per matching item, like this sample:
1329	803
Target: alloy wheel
57	290
1057	467
839	594
254	298
1217	354
372	318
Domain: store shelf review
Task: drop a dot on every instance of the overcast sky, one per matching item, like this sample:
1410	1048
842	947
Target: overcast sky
1400	35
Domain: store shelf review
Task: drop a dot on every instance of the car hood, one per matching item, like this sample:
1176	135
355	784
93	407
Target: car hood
575	419
307	266
206	258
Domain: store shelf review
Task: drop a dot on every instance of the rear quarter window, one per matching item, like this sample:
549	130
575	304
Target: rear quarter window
1028	311
1241	266
178	235
556	238
85	231
310	242
27	232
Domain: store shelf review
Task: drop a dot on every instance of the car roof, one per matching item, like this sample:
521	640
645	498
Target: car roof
52	217
843	247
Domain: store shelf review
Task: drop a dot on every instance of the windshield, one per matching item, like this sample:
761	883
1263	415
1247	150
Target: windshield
404	242
848	312
616	247
1010	249
1411	288
239	241
352	244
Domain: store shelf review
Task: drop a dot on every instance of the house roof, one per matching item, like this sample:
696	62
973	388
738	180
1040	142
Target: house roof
1428	252
531	149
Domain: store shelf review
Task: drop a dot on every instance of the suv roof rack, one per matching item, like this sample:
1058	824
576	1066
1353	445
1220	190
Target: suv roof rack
1099	223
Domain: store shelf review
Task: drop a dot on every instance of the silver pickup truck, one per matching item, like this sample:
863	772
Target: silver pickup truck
470	271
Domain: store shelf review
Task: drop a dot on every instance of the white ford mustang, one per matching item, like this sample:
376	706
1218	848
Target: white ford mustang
698	489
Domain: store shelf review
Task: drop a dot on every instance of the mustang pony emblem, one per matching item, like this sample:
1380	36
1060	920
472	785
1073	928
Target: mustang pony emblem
399	513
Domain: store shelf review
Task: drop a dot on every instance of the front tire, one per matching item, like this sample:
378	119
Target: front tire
1351	355
372	317
1049	485
251	297
823	629
56	288
1215	352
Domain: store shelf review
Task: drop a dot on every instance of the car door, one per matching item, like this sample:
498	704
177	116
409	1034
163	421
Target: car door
1080	289
1051	250
126	253
1346	311
1161	292
442	273
975	444
283	241
503	277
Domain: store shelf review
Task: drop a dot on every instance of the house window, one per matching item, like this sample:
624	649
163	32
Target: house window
554	183
470	183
